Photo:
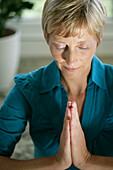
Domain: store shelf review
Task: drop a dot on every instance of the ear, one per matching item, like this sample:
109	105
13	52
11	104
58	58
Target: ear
45	37
101	36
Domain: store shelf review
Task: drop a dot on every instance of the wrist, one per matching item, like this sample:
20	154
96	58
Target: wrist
86	163
58	163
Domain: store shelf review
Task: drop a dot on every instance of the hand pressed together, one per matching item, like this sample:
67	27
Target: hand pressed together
72	141
64	156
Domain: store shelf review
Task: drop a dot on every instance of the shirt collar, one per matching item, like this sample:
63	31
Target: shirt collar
51	75
97	74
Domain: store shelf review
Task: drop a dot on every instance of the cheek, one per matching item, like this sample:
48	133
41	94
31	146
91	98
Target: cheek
92	52
88	57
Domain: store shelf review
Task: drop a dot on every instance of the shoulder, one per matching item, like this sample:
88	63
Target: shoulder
29	84
108	71
108	74
109	78
33	81
29	79
102	75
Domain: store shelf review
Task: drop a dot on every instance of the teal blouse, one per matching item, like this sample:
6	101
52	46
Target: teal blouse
40	98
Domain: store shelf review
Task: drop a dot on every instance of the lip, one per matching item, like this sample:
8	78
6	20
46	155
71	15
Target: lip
72	69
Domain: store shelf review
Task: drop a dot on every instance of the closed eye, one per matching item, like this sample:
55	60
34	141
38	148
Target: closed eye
83	48
59	47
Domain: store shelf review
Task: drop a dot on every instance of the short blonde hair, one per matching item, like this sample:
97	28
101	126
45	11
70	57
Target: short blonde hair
68	17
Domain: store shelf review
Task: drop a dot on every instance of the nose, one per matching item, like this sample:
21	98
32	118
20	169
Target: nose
71	57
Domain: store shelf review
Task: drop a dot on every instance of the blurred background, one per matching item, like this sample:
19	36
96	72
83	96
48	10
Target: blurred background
34	53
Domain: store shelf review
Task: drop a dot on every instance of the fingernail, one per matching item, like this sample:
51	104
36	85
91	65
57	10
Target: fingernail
69	103
74	104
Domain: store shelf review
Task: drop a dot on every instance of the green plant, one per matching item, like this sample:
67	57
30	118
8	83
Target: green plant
10	9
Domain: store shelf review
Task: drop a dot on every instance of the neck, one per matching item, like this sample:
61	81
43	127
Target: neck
75	86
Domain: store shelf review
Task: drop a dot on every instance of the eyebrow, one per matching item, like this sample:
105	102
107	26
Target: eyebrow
59	41
81	42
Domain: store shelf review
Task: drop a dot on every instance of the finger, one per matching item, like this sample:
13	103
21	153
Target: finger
67	116
74	111
68	113
66	128
64	153
69	104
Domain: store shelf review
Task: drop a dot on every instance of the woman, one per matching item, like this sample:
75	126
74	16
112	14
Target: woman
76	85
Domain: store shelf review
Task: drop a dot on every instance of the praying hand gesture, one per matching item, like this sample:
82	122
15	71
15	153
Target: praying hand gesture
72	142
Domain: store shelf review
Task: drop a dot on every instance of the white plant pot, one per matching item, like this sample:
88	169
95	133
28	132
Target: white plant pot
9	60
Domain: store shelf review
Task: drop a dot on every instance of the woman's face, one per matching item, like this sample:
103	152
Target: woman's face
73	55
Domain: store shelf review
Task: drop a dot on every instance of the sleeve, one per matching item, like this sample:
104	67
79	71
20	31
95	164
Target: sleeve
14	114
102	145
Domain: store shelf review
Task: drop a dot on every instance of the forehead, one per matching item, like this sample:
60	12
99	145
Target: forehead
84	36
